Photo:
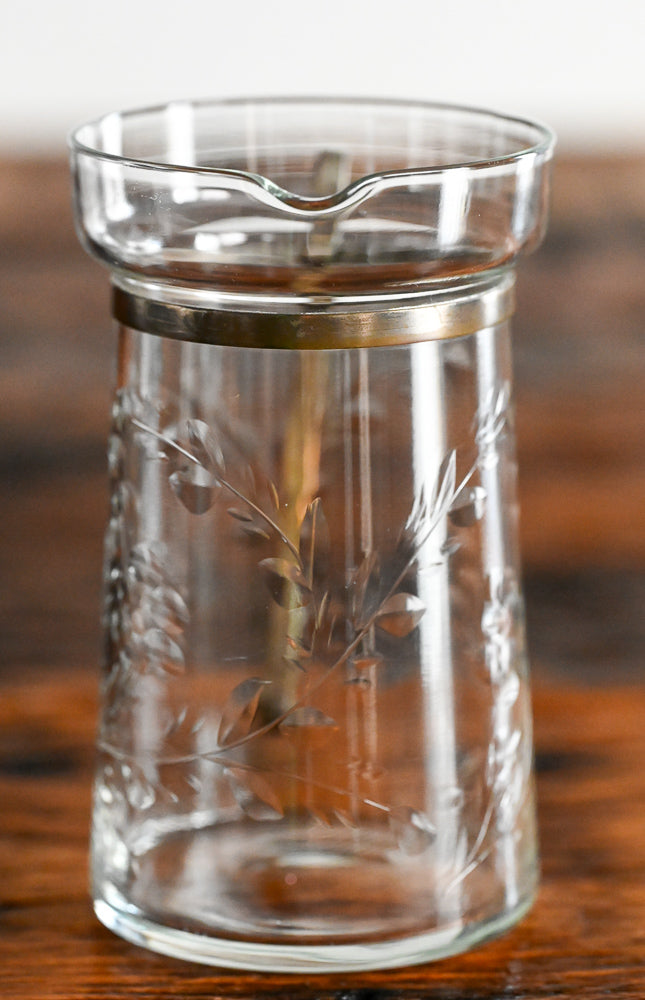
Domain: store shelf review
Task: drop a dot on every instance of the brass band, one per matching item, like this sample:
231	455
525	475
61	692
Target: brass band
164	310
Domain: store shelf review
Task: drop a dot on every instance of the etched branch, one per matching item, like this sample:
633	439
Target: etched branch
221	481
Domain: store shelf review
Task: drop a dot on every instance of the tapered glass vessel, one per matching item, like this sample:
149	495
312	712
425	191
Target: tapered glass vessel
314	746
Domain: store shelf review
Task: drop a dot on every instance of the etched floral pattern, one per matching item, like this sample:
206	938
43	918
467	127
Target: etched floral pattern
147	615
509	753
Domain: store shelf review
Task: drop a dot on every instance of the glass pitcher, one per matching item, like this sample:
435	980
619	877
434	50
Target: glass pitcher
314	746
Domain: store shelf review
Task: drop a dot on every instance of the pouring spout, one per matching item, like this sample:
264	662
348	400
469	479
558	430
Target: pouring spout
310	195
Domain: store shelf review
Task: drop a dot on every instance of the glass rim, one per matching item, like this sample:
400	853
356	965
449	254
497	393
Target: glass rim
543	144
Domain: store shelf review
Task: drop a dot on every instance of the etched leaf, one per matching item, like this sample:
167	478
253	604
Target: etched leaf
502	400
273	493
336	632
427	512
240	515
115	455
140	793
256	532
345	818
167	609
367	572
413	830
324	817
291	660
309	725
493	416
239	710
254	794
414	530
461	865
445	485
180	729
175	722
298	648
162	652
498	622
146	565
509	690
249	522
366	584
196	491
204	446
468	506
450	546
286	583
195	782
124	507
323	609
400	614
314	543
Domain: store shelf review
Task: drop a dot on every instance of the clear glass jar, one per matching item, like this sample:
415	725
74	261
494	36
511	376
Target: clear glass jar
315	736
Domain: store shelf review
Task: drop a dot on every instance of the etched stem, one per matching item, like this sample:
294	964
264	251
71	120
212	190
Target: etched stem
223	482
214	758
363	631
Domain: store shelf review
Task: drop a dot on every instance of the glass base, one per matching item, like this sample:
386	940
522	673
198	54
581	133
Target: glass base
310	957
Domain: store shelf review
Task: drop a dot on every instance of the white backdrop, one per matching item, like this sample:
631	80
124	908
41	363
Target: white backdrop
577	65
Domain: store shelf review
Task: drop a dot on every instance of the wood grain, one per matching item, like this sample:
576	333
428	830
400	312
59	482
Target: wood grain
580	364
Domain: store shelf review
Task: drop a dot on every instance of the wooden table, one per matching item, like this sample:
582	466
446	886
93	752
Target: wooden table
580	386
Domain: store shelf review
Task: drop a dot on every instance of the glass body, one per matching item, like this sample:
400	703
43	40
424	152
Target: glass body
314	748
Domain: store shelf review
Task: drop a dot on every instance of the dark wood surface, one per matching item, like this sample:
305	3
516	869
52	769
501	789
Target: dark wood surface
580	389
